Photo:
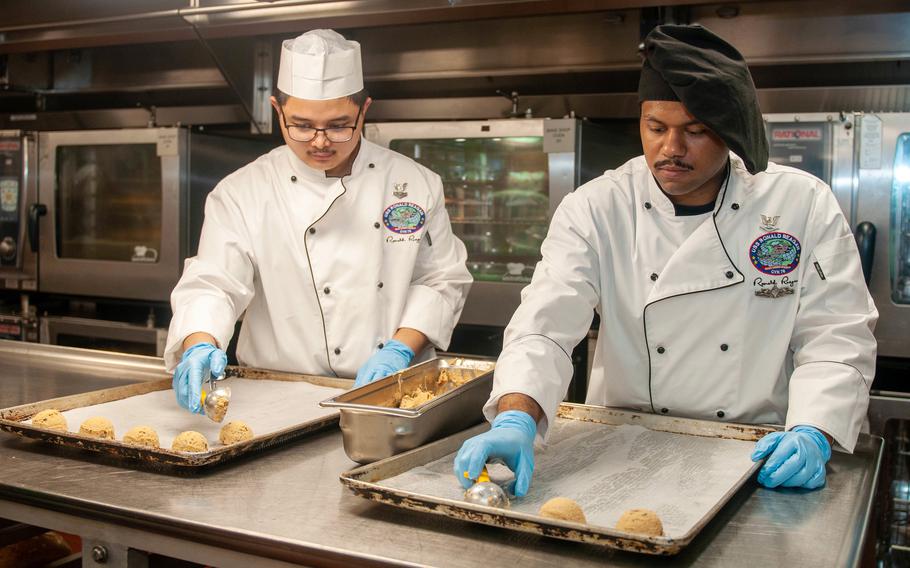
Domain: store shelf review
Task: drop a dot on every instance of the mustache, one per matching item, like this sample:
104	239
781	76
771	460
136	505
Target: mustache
674	163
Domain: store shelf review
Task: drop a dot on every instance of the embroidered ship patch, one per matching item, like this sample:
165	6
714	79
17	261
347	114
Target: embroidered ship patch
775	253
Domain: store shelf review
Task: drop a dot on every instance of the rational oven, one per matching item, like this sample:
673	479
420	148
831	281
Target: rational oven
882	200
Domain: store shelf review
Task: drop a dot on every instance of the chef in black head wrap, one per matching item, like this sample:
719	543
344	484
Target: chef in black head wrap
729	288
695	67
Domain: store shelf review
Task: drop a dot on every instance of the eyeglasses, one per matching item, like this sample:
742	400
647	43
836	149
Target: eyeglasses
336	134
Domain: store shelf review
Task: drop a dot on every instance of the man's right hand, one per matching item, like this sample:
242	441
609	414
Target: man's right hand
198	362
510	439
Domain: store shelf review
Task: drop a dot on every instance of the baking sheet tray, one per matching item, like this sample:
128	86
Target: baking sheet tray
279	407
608	460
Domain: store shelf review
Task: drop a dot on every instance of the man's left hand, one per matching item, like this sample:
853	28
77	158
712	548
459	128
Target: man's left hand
394	356
798	458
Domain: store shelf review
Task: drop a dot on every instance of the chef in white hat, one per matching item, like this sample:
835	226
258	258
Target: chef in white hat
338	253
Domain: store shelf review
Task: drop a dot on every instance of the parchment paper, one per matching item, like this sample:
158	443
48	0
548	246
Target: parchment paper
267	406
609	469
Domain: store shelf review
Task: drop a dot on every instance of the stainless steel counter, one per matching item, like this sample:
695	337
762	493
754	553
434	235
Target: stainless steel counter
287	506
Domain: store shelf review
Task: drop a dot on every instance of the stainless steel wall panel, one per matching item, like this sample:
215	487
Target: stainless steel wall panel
814	30
62	24
833	100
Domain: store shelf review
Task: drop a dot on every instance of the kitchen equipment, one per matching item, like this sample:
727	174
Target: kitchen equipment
280	407
120	210
503	179
889	417
18	216
485	492
373	427
385	482
103	334
882	204
216	400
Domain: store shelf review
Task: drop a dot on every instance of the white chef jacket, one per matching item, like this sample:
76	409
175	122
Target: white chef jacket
323	269
682	330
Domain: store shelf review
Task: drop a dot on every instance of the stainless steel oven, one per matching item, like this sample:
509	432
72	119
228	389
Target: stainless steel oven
882	201
124	207
18	192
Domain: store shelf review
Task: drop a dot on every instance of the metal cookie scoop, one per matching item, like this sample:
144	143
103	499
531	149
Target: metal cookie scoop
215	402
486	493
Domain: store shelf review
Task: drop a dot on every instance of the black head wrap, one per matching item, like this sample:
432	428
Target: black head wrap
710	78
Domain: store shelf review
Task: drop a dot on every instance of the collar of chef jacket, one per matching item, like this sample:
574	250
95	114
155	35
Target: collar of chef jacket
736	190
299	168
703	260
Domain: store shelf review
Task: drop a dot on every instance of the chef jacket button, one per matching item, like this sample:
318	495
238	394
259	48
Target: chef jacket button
728	274
379	285
380	346
312	230
376	224
293	178
371	165
338	351
654	277
327	290
720	413
647	204
661	350
724	346
664	410
735	207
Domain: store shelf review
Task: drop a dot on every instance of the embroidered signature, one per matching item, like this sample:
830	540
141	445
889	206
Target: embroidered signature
403	239
770	288
785	281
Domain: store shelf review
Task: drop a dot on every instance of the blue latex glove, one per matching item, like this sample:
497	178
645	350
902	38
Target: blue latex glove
197	363
511	439
798	458
393	357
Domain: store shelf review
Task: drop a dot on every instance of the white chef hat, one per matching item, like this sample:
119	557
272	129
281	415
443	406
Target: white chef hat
320	65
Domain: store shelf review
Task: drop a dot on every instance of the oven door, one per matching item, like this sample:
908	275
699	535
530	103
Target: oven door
883	199
114	224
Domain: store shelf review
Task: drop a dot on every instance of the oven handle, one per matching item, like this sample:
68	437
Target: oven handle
34	211
865	242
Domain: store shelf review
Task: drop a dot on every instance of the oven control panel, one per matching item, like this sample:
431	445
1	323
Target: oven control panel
11	197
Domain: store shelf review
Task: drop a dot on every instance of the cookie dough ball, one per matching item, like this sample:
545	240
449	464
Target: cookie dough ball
563	509
50	419
98	427
640	521
142	436
234	432
190	441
